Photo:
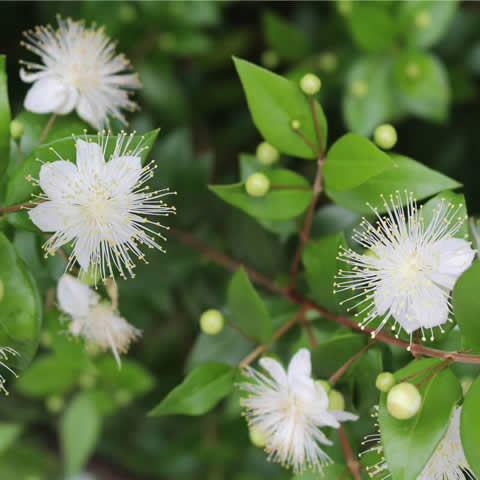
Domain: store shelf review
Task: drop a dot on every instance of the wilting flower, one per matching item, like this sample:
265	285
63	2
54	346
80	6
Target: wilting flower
5	354
79	70
288	408
94	320
410	267
448	462
102	208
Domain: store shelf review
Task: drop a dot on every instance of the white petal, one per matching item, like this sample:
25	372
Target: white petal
88	113
82	251
71	99
300	365
46	95
30	77
274	368
45	216
90	161
125	171
58	178
321	401
343	416
74	297
325	418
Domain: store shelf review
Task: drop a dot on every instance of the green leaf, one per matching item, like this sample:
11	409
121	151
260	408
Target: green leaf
416	439
246	308
203	388
79	431
366	110
470	426
372	25
20	308
321	265
422	84
4	117
405	174
278	204
466	305
274	102
283	38
423	23
9	432
351	161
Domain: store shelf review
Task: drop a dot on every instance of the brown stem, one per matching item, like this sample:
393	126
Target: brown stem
308	142
308	328
317	127
47	128
440	367
290	187
14	208
241	332
417	373
352	463
334	378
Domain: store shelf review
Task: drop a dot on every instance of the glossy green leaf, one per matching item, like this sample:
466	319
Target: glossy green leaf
79	431
466	306
351	161
20	308
274	102
203	388
416	439
283	38
405	174
422	84
4	117
424	22
280	203
246	308
321	265
470	426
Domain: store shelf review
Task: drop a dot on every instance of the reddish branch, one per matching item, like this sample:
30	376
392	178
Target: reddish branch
352	463
336	375
14	208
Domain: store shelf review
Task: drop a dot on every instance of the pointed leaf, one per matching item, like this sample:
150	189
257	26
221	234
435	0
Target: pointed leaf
470	426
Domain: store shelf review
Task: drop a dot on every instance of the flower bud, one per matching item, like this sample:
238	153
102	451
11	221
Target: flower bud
359	88
270	59
256	437
310	84
16	129
325	384
295	124
257	185
385	381
385	136
54	403
266	154
404	401
335	400
211	322
327	61
423	19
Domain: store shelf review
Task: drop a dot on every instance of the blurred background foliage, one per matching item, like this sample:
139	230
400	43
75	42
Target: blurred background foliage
363	52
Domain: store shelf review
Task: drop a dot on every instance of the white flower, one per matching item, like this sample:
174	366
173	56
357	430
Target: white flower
100	207
94	320
409	269
80	71
448	462
288	409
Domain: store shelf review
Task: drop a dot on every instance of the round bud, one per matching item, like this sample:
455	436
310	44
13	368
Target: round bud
328	62
466	383
385	136
123	398
310	84
266	154
270	59
403	401
295	124
325	384
412	70
16	129
423	19
54	403
257	185
256	437
385	381
335	400
211	322
359	88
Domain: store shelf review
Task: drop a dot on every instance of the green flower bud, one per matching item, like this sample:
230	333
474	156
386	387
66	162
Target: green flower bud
266	154
257	185
325	384
359	88
335	400
310	84
328	62
423	19
295	124
385	136
54	403
256	437
404	401
16	129
385	381
211	322
270	59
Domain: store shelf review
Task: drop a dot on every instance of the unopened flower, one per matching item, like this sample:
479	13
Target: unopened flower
409	269
448	462
101	208
94	320
79	70
288	408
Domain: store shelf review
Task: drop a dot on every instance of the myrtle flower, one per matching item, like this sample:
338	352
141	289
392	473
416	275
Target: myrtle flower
92	319
5	354
79	70
101	208
448	462
288	408
409	269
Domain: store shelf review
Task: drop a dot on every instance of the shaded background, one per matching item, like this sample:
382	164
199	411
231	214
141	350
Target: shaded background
182	51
